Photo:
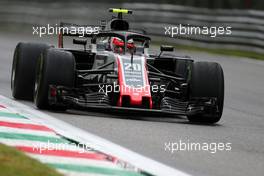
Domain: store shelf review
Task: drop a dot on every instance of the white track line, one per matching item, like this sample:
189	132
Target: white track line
67	130
72	173
5	110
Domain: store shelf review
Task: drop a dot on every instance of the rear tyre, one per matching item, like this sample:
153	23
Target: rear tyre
207	80
55	67
24	68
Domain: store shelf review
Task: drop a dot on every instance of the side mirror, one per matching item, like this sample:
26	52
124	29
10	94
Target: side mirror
166	48
80	42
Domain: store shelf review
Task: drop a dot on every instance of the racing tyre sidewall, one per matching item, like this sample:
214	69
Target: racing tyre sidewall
55	67
207	80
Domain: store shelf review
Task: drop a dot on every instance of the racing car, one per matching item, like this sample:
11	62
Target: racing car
115	72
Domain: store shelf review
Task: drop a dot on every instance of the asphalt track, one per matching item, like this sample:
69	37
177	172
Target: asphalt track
242	123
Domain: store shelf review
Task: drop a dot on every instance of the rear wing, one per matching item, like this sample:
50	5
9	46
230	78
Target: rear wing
75	30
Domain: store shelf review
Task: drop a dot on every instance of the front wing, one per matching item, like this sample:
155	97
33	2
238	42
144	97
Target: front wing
61	96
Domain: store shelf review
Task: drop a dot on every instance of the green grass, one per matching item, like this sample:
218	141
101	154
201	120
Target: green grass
227	52
14	163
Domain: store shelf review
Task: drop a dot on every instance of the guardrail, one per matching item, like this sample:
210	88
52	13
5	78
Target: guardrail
247	25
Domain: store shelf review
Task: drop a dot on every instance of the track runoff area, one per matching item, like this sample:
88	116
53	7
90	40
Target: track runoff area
70	150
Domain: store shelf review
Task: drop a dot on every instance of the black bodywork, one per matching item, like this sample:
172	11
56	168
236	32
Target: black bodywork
95	69
116	57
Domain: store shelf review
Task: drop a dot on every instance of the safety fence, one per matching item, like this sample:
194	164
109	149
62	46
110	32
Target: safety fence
245	27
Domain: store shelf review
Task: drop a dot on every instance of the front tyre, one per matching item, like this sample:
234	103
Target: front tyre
207	80
55	67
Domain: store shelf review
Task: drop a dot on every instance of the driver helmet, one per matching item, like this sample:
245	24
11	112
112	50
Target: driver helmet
117	45
130	44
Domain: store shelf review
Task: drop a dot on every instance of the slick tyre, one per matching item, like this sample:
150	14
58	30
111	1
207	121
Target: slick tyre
207	80
24	68
54	67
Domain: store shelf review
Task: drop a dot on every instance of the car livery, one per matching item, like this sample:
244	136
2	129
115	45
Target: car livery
115	72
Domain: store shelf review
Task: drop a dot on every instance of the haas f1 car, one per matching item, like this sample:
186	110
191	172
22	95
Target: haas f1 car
113	71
